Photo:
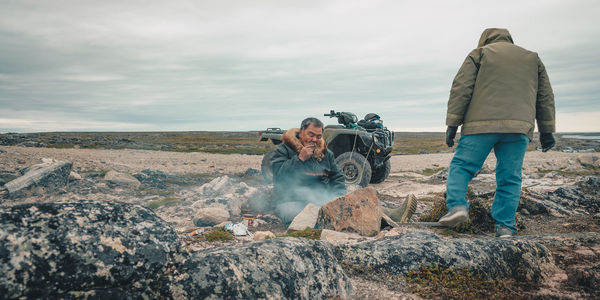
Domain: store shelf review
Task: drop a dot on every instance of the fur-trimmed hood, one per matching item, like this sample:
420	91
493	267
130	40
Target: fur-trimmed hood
290	139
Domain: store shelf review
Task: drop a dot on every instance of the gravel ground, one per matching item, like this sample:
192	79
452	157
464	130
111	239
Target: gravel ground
14	157
132	161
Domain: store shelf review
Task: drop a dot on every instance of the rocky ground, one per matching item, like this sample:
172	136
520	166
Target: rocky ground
558	220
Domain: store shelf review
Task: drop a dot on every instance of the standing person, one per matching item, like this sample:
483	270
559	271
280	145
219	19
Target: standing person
498	93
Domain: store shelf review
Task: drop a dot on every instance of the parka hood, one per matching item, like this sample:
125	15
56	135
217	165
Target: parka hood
492	35
291	139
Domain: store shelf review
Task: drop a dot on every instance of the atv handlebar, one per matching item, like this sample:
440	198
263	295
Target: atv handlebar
332	114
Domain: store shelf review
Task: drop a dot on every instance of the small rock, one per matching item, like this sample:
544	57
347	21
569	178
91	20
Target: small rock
74	176
209	216
306	218
358	212
337	238
263	235
47	160
251	173
222	224
121	179
441	175
587	160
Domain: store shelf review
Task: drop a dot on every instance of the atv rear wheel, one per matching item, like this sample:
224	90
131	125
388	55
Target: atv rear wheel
355	167
381	173
266	166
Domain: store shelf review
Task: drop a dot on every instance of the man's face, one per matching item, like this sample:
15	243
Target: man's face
311	135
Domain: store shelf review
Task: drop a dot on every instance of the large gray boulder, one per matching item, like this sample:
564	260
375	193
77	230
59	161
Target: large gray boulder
491	257
74	250
282	268
48	176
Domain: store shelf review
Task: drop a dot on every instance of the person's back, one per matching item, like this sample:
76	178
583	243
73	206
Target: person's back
498	88
497	95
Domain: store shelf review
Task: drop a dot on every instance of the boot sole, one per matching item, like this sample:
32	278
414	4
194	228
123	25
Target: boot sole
411	207
455	219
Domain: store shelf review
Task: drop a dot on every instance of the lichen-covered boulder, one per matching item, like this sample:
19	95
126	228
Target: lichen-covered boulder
491	257
282	268
97	249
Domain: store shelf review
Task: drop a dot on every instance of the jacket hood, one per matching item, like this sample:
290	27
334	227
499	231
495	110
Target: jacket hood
492	35
290	139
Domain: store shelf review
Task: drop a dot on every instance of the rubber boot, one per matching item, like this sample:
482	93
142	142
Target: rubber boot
403	213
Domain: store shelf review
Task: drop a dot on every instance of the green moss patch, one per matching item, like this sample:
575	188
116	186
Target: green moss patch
308	233
164	201
586	171
218	235
430	171
435	282
480	219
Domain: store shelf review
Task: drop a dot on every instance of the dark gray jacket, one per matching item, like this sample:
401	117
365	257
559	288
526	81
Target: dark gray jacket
293	177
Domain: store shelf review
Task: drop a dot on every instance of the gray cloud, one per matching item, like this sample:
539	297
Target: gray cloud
236	65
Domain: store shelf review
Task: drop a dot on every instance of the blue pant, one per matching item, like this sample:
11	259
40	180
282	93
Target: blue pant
471	152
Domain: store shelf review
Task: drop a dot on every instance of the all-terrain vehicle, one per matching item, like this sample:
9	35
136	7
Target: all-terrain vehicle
362	148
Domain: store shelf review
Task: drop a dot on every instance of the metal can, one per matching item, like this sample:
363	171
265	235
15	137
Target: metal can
248	220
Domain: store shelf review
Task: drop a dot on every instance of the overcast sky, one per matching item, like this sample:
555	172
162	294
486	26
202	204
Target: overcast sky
247	65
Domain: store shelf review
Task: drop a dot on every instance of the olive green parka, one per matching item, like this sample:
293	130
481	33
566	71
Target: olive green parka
501	88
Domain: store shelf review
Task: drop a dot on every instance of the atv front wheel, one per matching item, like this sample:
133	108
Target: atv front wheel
266	166
355	167
381	173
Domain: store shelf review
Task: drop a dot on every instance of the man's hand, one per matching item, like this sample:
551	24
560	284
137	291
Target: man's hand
450	134
547	141
306	152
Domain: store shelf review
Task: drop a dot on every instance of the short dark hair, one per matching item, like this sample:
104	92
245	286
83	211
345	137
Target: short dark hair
311	121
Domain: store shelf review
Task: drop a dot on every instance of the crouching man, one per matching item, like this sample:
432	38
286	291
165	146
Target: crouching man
304	170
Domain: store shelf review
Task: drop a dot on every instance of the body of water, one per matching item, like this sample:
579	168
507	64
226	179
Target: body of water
582	137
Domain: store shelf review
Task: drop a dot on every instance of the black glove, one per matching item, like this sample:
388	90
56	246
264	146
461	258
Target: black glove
450	134
547	141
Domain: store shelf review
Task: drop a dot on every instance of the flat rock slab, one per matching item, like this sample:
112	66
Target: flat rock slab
79	249
42	177
281	268
307	218
491	257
